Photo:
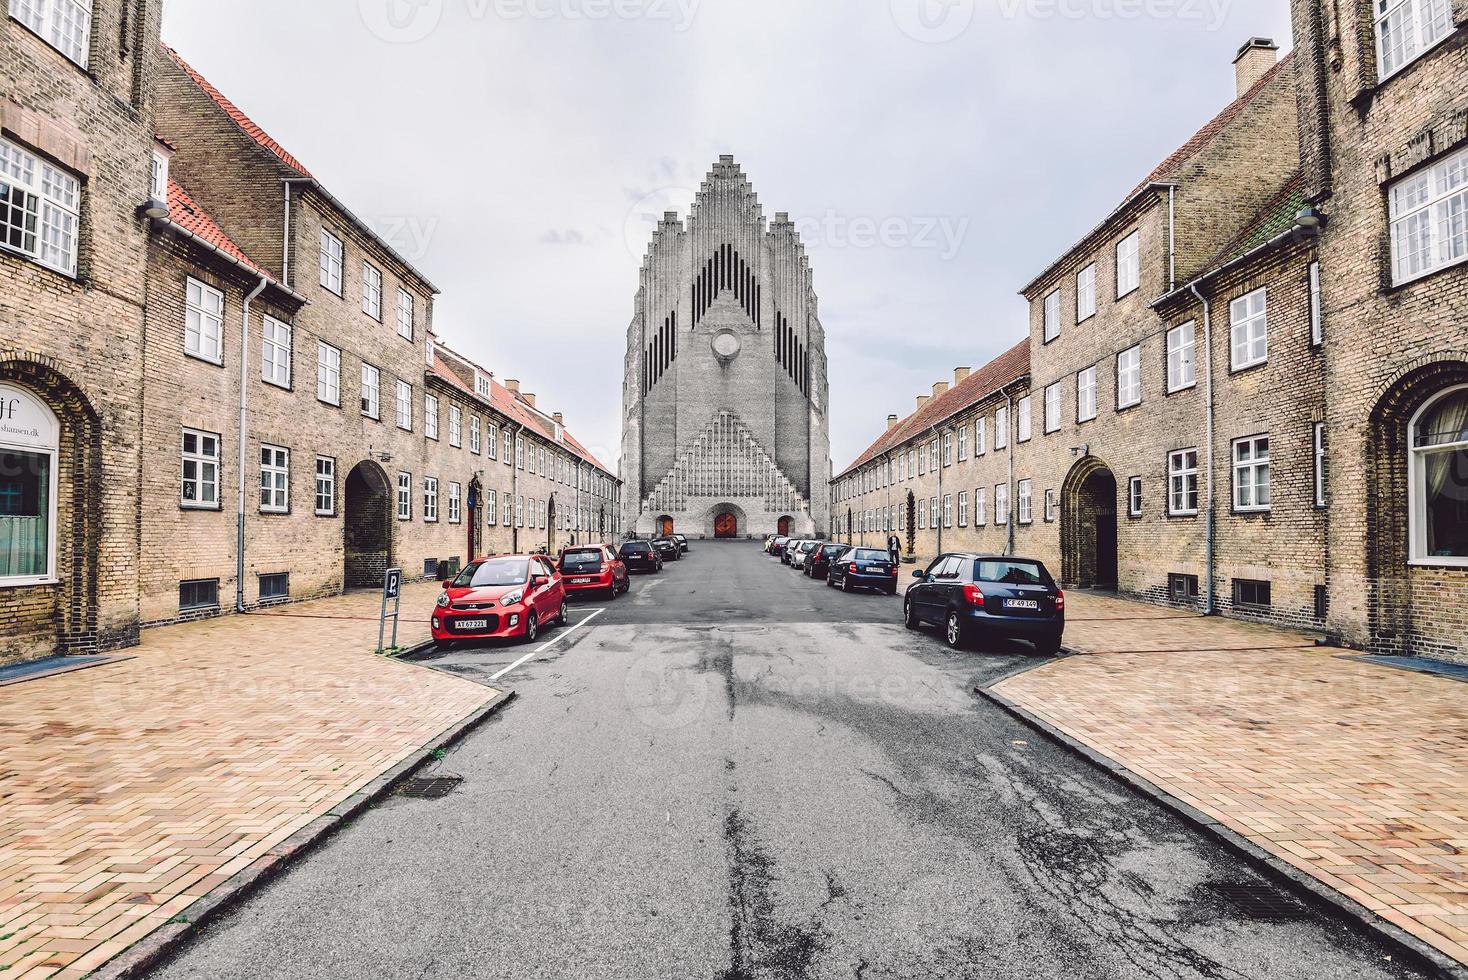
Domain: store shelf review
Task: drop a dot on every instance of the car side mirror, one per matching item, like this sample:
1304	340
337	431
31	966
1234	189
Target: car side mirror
539	580
448	582
917	574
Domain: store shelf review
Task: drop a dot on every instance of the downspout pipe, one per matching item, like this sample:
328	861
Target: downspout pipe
1210	606
518	510
239	534
285	245
1009	455
1171	237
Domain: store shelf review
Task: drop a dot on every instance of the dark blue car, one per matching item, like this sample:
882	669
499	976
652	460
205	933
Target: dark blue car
863	568
985	597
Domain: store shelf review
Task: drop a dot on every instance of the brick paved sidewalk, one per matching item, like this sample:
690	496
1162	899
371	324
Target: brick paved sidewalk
1350	771
128	791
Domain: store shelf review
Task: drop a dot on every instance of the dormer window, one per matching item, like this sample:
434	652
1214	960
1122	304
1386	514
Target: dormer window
158	178
481	385
66	25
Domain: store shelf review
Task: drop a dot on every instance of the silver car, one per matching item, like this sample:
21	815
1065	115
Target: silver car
799	554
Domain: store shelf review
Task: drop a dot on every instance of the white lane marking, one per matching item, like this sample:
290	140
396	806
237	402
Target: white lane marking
643	596
546	646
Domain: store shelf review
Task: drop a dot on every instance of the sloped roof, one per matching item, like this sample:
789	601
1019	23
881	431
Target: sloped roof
1007	367
251	128
185	212
1274	216
512	407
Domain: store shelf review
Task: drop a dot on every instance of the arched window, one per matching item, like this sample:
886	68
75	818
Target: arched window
29	435
1438	479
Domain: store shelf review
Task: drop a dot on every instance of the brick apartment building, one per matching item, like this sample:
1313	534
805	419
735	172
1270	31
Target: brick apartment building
220	387
1213	403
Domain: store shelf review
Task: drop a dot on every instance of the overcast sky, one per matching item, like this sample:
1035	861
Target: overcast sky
938	154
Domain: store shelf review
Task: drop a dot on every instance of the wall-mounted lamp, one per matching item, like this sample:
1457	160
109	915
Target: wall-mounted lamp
154	208
1310	219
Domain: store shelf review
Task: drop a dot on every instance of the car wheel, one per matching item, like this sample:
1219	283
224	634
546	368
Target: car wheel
1047	648
561	616
613	592
532	628
954	632
846	583
892	590
909	618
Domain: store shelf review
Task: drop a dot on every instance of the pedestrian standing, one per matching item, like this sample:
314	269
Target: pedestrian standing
894	548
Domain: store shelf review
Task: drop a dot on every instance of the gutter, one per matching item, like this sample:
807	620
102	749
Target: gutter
331	199
239	567
245	267
1294	231
1155	185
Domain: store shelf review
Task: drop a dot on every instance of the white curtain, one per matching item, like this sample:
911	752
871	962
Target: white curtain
25	536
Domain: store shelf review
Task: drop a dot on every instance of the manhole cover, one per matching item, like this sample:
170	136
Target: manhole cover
1259	901
429	787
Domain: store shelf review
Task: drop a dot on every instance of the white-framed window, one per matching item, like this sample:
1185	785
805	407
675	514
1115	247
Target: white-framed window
933	456
405	314
1428	223
1134	497
509	510
405	496
40	207
1052	407
1001	427
404	401
1026	501
963	508
948	510
508	446
912	461
1128	264
275	352
1022	419
328	374
371	391
922	511
200	470
325	486
430	499
482	386
1319	447
430	415
331	262
491	505
1086	395
1182	482
1181	344
922	463
1317	326
158	175
962	449
491	440
1001	503
456	515
981	506
1251	473
947	450
456	426
519	452
1249	317
29	443
66	25
1086	293
1050	506
275	479
1129	377
981	432
203	322
520	510
1437	480
372	291
1407	28
1052	315
475	436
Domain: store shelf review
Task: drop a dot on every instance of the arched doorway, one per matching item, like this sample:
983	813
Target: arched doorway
366	525
1088	509
726	526
725	521
665	525
782	526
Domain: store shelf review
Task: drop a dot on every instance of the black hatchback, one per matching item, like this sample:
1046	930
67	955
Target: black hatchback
639	556
863	568
818	562
667	549
983	597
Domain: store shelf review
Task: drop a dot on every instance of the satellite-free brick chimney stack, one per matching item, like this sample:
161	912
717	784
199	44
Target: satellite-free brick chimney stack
1256	56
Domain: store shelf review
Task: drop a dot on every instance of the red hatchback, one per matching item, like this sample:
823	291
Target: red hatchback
498	598
594	568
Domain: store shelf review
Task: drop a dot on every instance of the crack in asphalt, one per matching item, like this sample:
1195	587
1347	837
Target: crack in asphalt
759	945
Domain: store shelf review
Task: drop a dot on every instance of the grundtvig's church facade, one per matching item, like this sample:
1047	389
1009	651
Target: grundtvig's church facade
725	430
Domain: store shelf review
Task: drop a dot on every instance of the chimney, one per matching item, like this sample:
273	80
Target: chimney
528	398
513	385
921	400
891	422
960	375
1256	56
939	388
560	419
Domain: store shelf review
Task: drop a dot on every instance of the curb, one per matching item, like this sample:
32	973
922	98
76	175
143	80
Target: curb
1304	885
167	940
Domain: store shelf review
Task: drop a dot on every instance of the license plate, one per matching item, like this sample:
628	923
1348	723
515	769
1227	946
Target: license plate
472	624
1021	604
581	581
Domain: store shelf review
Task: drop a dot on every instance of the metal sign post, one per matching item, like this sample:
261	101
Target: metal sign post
392	589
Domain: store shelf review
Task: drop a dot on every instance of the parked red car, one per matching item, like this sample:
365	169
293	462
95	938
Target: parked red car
594	568
498	598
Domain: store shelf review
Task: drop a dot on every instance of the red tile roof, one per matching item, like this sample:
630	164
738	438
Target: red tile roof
1007	367
240	119
185	212
512	407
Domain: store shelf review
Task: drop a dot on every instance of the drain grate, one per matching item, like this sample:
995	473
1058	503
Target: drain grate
429	787
1260	901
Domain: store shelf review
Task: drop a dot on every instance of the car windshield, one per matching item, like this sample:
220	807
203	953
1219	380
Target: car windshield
496	571
870	554
1010	572
586	558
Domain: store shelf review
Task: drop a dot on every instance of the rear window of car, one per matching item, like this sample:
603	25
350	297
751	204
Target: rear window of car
870	554
635	549
832	550
809	546
582	558
1011	572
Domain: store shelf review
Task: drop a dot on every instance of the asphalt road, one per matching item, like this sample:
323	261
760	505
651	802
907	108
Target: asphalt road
735	772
